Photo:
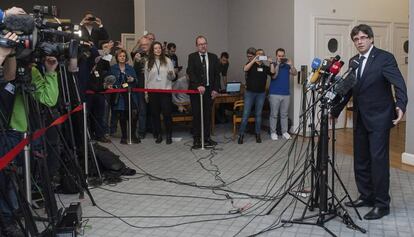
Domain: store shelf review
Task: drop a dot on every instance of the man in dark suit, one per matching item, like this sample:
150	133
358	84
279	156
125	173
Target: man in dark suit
92	29
203	71
376	111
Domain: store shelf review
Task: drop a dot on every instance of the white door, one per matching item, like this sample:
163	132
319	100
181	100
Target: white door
381	34
400	42
331	39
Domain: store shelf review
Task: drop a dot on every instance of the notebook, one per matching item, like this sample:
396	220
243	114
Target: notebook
233	87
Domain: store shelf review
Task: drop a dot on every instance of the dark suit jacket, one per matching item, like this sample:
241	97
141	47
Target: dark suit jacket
372	95
97	34
195	68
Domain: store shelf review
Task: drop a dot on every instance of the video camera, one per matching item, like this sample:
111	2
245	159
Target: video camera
41	34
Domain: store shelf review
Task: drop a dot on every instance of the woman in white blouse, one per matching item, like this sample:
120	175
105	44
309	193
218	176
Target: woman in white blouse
159	73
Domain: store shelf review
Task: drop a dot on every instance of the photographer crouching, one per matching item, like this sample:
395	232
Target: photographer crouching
14	119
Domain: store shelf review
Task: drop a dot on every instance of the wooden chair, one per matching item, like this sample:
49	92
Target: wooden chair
238	115
349	108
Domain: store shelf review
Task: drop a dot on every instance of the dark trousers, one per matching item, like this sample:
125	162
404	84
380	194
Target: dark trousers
196	111
123	122
371	164
96	108
8	198
160	103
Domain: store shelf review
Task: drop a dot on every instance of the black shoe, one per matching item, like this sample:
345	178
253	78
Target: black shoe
359	203
168	140
136	140
124	141
196	144
210	142
240	141
12	230
258	139
377	213
159	139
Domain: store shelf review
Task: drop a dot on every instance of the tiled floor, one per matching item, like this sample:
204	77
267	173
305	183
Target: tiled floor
226	192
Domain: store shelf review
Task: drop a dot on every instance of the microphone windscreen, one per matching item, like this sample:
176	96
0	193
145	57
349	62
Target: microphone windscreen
20	23
346	84
109	79
316	62
314	77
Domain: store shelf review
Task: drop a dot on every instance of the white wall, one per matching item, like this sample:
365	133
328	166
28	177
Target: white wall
266	24
305	12
139	15
181	21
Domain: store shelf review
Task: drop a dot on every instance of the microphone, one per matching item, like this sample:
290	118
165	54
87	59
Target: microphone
313	77
336	67
20	23
345	83
316	63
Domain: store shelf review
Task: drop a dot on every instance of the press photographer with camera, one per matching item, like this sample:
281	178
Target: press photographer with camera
257	73
279	94
92	29
14	119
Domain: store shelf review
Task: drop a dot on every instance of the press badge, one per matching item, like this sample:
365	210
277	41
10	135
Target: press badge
260	69
10	88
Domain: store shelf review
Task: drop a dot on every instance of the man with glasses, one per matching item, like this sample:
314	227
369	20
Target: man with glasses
376	111
203	71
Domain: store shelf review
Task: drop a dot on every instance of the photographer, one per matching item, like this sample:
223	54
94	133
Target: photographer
256	77
92	29
15	123
279	94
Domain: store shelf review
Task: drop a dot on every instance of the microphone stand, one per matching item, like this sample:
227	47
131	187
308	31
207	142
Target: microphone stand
321	187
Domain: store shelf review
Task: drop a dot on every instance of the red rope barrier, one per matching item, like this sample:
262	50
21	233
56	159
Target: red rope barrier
6	159
110	91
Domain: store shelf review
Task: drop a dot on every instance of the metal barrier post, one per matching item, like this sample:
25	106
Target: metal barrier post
202	121
27	169
129	116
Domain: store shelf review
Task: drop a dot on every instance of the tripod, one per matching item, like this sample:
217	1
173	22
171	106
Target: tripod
66	95
329	207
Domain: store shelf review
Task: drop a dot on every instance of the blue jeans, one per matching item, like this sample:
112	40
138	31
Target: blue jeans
250	99
7	142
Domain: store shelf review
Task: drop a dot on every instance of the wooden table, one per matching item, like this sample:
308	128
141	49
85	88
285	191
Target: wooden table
222	99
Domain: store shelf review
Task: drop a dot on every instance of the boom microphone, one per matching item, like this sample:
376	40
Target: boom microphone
23	24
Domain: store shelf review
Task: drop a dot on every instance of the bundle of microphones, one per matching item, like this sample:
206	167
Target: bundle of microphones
325	79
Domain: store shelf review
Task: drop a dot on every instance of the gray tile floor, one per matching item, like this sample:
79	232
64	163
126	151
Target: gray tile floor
225	192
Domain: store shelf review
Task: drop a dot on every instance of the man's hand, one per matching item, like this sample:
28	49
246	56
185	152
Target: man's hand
214	94
50	64
98	21
400	114
201	89
14	11
4	52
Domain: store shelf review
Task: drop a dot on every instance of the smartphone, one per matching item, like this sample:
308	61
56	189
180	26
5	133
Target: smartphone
283	60
92	18
262	58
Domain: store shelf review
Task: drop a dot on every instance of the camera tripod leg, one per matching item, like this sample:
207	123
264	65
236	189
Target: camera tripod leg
30	225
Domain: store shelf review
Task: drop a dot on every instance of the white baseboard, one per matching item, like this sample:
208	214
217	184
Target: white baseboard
407	158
